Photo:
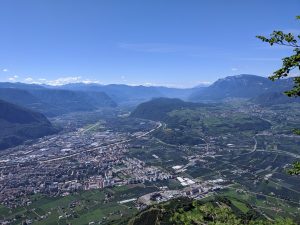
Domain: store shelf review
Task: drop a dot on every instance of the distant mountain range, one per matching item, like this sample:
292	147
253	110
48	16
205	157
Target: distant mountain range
53	102
57	100
19	124
125	94
240	86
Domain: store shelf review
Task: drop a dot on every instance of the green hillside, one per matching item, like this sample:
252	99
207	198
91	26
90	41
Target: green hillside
157	109
19	124
215	211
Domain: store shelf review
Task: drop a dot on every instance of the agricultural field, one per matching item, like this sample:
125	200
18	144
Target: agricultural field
79	208
270	206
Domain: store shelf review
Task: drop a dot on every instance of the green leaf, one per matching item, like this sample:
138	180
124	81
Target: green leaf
295	170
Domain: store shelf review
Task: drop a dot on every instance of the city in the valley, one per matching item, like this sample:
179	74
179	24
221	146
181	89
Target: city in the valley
125	162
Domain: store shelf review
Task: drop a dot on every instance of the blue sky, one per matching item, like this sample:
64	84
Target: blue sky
152	42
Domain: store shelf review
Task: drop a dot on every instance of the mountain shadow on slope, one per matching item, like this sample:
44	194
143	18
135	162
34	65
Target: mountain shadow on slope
19	124
53	102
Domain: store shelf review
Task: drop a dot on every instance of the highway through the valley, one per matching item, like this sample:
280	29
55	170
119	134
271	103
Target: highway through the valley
253	150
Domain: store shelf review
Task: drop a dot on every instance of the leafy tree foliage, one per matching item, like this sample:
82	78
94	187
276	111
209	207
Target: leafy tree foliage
211	215
206	214
289	63
296	169
219	211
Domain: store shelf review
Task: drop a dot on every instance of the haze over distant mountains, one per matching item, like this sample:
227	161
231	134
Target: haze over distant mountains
241	86
126	94
53	102
57	100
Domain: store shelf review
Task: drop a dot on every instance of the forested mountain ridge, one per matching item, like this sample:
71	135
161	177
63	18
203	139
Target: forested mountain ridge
19	124
273	98
53	102
157	109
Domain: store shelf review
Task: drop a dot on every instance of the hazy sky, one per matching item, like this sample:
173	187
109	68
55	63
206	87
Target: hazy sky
161	42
